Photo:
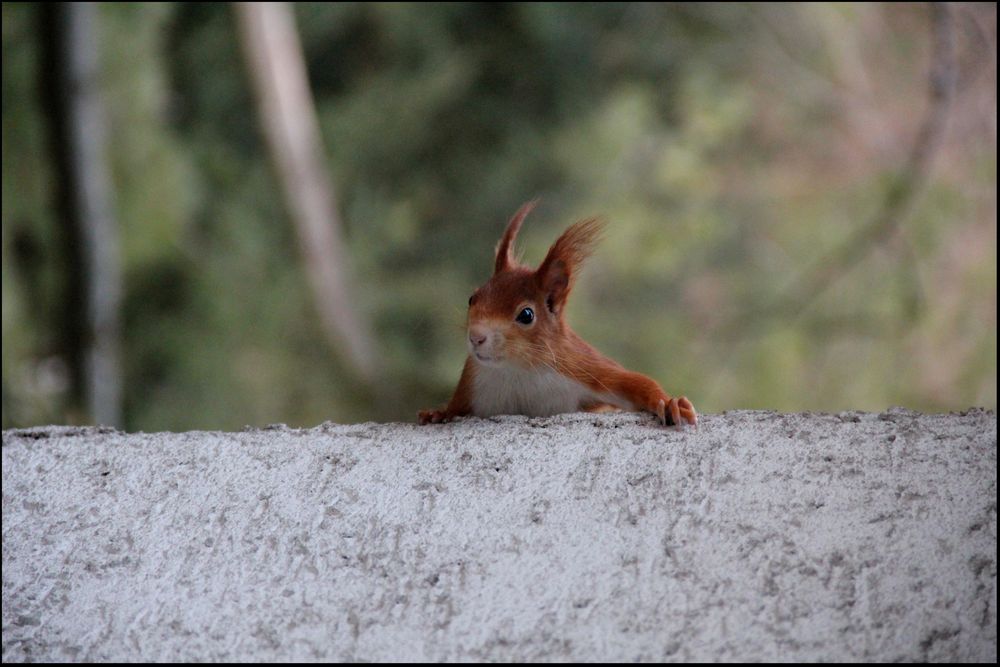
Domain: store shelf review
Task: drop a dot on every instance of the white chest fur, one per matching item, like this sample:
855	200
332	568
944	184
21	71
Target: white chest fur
509	390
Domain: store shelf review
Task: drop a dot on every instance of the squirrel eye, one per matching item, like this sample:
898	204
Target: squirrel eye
472	299
526	316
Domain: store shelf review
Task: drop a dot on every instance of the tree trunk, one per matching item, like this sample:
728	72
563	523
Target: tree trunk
288	116
85	204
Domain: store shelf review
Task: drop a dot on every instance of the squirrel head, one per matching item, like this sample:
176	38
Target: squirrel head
517	316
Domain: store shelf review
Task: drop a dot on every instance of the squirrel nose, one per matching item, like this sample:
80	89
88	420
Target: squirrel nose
477	337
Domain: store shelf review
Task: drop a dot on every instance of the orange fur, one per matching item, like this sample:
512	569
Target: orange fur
505	247
541	352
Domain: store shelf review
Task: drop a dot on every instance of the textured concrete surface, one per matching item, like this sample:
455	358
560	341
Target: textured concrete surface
761	536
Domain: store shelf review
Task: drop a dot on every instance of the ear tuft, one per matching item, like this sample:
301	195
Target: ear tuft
557	272
505	248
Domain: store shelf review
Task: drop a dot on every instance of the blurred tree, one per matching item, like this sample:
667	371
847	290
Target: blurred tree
72	79
733	147
288	116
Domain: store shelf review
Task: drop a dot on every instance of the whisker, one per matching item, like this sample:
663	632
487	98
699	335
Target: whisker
565	365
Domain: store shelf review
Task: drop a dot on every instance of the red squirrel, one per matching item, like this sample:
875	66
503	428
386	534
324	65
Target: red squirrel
524	358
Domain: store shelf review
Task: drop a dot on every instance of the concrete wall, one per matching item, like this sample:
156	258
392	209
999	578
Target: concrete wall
761	536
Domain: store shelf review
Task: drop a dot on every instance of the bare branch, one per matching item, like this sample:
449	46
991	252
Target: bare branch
908	184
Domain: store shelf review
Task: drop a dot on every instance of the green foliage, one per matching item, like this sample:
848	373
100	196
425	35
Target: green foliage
724	144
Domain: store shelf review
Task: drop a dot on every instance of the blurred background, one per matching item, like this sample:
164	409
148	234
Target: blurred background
217	215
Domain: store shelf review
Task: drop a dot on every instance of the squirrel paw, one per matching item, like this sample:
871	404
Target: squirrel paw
676	411
433	417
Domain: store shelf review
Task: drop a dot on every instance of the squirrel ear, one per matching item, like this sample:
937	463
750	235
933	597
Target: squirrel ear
505	255
557	272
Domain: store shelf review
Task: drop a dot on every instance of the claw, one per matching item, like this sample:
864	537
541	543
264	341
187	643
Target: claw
688	411
675	412
680	410
432	417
